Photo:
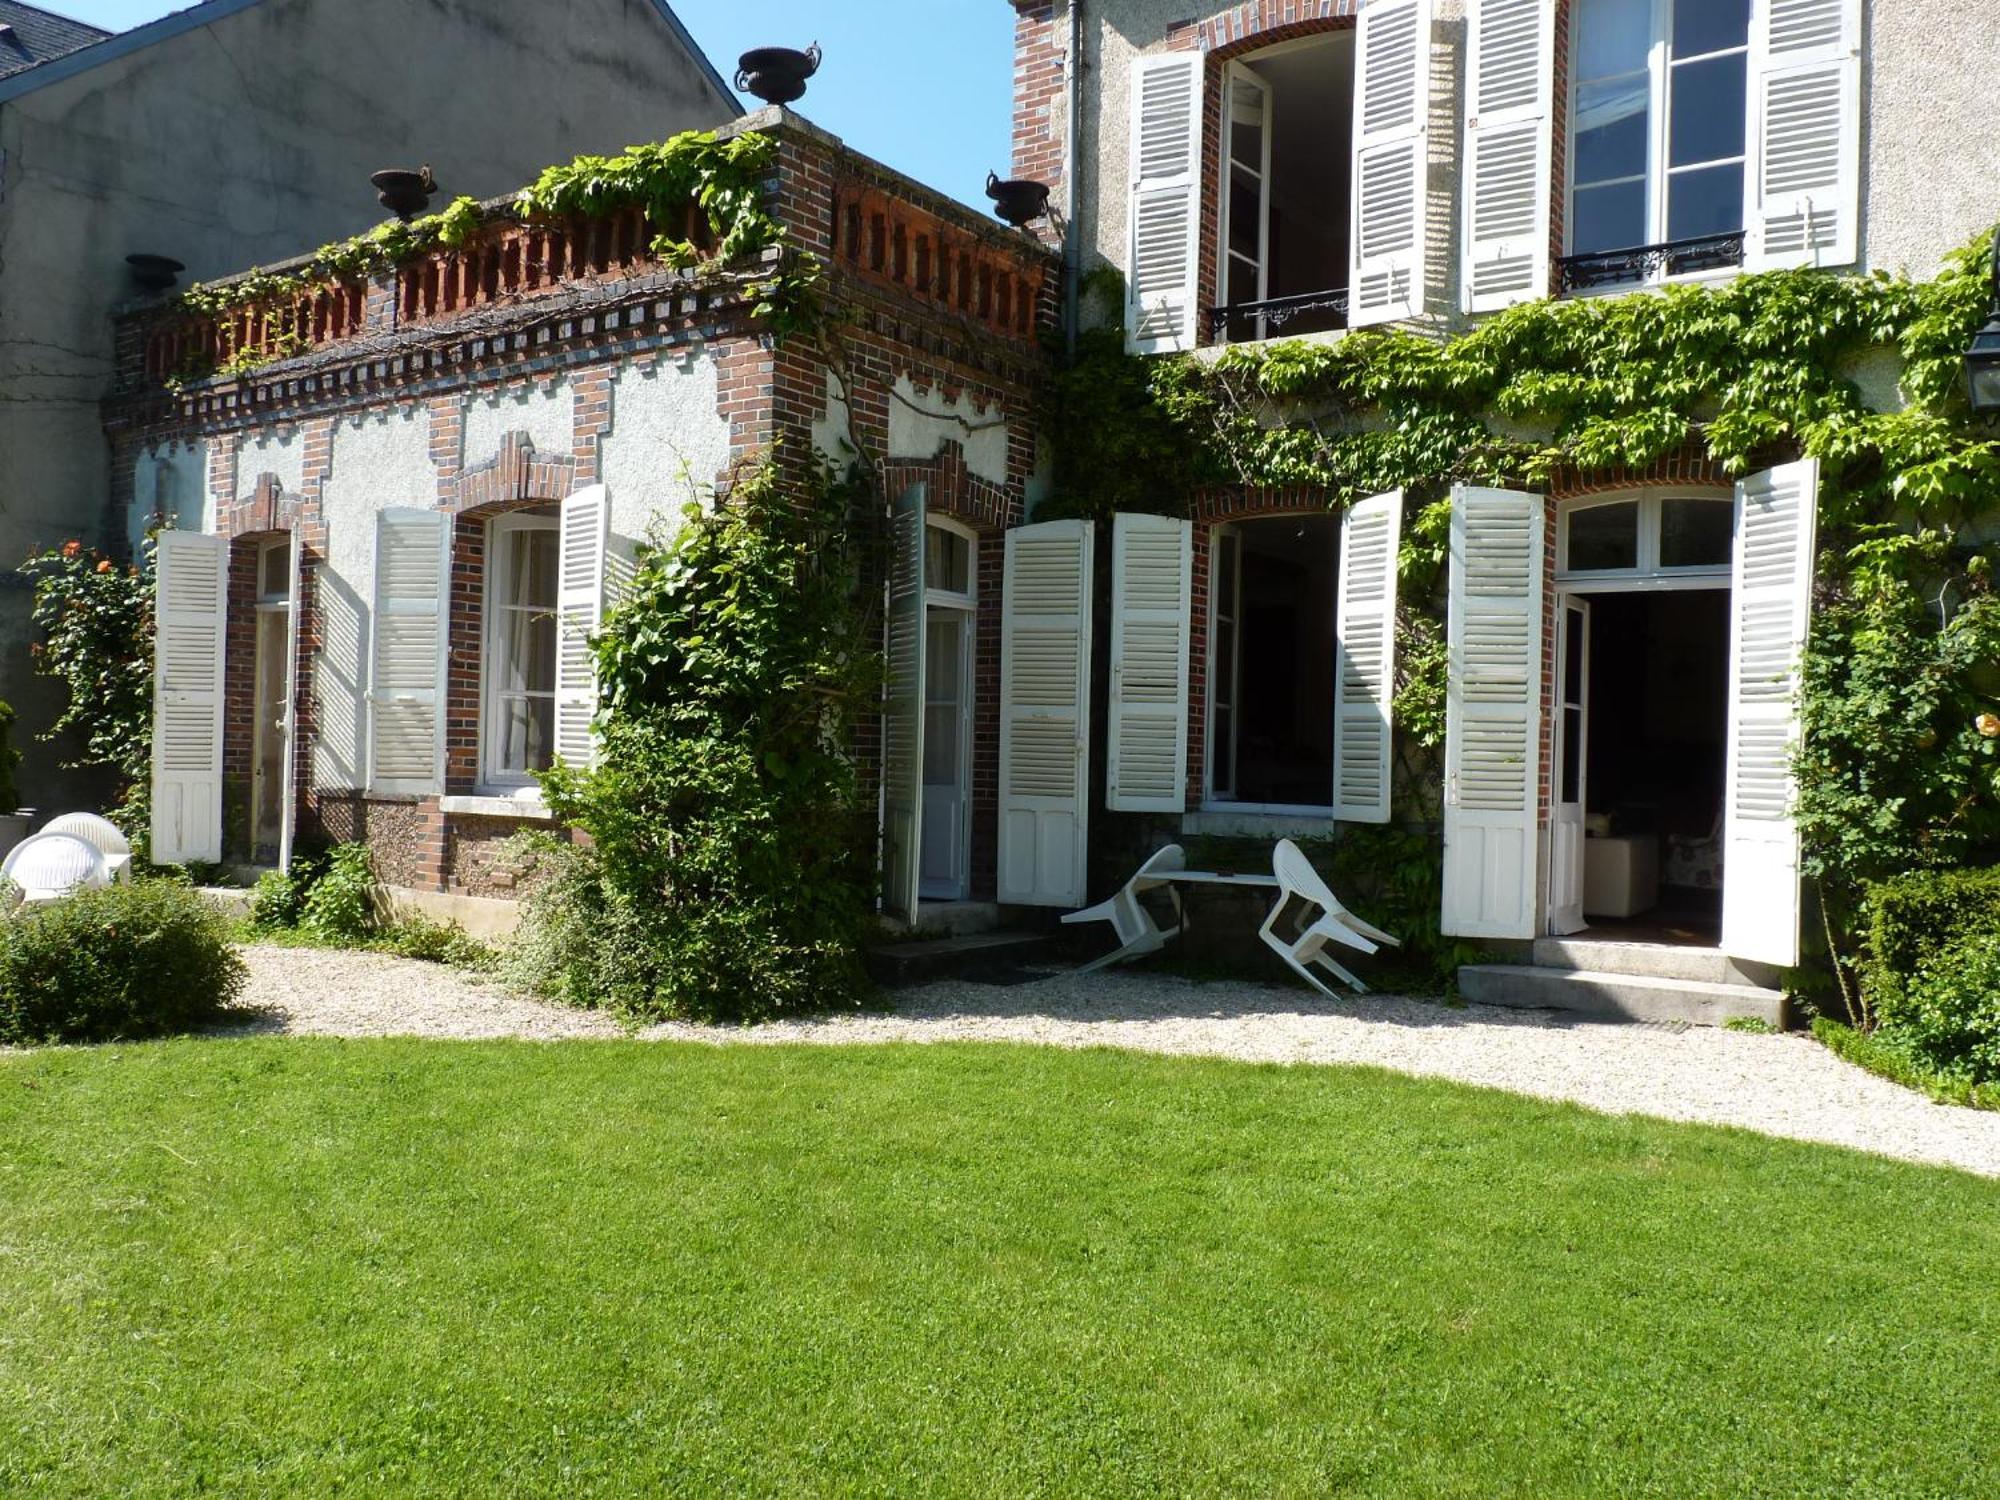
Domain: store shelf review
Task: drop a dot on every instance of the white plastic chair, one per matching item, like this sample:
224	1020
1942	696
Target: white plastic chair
102	835
1138	933
1297	879
50	866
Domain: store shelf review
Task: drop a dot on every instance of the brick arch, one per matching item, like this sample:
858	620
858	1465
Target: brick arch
1264	23
518	476
953	489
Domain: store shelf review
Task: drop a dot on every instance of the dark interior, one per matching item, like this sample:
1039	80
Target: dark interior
1285	739
1659	689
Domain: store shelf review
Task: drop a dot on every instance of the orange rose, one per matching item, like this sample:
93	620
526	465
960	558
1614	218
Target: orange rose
105	566
1988	725
72	549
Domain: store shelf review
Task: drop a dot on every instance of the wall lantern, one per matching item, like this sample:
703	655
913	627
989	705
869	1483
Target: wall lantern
1982	360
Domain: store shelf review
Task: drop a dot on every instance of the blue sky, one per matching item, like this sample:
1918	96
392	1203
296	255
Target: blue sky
923	85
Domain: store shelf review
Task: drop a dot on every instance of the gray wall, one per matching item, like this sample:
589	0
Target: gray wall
247	140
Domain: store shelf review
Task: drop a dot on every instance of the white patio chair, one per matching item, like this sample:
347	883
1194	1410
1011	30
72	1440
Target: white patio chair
1138	933
102	835
50	866
1298	880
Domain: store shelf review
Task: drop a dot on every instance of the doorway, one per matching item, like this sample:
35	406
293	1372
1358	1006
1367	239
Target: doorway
1272	664
271	725
944	839
1641	745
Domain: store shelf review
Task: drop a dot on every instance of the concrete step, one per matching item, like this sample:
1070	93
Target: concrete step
1649	961
994	957
1630	997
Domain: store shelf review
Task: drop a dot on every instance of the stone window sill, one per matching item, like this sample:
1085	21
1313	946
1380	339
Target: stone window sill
523	808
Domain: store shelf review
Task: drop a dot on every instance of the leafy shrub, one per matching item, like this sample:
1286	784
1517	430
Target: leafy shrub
1910	920
419	937
123	961
1950	1014
279	898
340	904
1888	1056
732	866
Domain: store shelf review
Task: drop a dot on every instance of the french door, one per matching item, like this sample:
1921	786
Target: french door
1572	739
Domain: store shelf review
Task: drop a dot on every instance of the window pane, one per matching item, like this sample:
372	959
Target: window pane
1224	775
1612	36
1246	133
1611	129
1707	111
1572	755
947	561
1242	289
538	672
1710	25
1225	576
1708	200
526	732
1608	218
1225	662
1696	533
277	570
1244	229
1604	536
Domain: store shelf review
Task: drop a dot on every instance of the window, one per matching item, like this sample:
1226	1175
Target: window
522	551
1659	115
1647	536
1282	251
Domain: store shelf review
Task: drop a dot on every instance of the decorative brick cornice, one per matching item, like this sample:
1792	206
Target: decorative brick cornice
952	489
1234	502
1691	466
1265	23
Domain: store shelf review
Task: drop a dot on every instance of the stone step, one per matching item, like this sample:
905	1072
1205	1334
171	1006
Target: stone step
995	957
1649	961
1630	997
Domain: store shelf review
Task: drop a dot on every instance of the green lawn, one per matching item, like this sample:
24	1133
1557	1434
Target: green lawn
290	1267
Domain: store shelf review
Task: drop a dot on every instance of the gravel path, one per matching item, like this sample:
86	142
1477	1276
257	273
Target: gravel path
1779	1085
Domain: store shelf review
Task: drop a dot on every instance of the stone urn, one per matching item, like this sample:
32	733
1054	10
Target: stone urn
1020	202
777	75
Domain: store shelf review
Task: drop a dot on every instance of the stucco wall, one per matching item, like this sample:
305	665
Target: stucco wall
1930	147
667	444
247	140
170	482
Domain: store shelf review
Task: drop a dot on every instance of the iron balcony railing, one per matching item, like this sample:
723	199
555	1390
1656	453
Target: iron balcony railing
1257	320
1707	252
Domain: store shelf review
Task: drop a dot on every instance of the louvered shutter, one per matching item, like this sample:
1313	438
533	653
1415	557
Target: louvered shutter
189	605
1505	252
1392	97
288	818
1370	533
405	691
1160	286
1493	714
1770	607
1152	586
903	712
1045	713
584	547
1802	189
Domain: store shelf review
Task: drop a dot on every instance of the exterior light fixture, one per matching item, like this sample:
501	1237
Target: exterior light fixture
1982	360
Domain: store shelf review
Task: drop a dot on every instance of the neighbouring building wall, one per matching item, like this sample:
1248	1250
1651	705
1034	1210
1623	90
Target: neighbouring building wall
246	139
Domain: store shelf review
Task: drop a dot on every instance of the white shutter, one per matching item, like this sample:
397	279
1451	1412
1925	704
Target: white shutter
1161	290
189	606
1493	714
1511	73
903	712
1392	98
585	545
1365	680
1152	591
1045	713
1802	189
406	681
288	817
1770	605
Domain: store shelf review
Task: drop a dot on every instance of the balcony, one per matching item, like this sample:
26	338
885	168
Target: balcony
1641	264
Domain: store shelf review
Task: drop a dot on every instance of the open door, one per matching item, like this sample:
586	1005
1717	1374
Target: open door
288	818
1493	714
903	709
1770	608
190	599
1045	713
1572	740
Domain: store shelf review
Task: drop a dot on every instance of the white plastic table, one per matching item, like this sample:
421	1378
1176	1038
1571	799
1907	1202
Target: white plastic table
1138	933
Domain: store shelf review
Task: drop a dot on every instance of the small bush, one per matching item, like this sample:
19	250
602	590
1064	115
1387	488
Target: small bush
279	898
340	904
1913	918
124	961
421	938
1886	1056
1949	1015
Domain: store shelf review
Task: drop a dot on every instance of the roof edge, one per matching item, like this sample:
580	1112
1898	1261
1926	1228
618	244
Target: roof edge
727	94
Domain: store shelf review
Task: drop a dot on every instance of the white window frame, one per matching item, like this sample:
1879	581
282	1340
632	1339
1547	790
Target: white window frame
952	598
1659	67
1646	574
492	779
1212	800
